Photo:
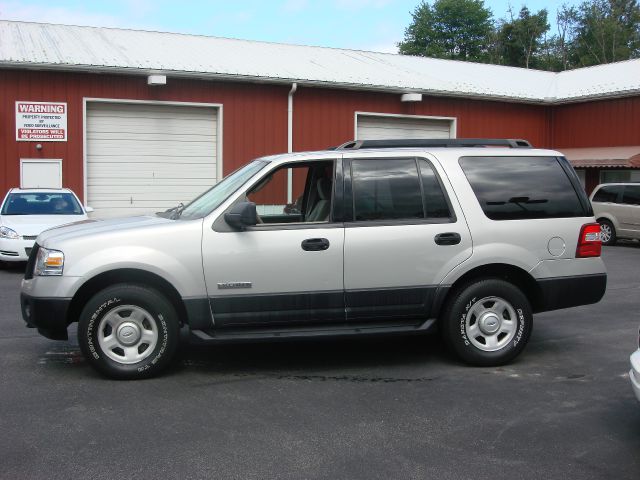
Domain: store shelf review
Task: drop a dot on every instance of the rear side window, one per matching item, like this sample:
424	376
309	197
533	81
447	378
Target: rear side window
631	195
514	188
386	189
397	189
608	194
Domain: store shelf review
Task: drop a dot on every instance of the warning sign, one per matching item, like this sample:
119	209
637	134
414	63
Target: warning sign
41	121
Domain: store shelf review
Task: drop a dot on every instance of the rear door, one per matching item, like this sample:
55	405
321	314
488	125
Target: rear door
403	234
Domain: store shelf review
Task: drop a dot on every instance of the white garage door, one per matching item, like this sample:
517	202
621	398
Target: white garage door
372	127
146	158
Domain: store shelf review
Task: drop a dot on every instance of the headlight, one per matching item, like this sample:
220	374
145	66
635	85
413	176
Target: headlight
49	262
6	232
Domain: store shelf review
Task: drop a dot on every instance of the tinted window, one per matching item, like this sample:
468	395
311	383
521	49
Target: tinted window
435	202
608	193
41	203
386	190
631	195
511	188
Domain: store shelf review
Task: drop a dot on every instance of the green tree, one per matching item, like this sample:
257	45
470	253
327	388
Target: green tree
606	31
451	29
521	39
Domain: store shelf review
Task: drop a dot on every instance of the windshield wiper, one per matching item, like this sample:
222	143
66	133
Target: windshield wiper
177	211
172	213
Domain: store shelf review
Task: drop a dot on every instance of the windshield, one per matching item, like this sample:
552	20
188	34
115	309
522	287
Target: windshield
213	198
41	203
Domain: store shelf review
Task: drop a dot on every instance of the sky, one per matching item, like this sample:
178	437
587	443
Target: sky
375	25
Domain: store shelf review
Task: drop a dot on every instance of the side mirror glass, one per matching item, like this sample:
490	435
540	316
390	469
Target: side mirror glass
242	215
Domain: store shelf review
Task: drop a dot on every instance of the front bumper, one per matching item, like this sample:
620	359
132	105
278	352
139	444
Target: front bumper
48	315
634	374
15	250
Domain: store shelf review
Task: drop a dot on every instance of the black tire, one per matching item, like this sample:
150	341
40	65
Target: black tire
608	232
131	308
482	298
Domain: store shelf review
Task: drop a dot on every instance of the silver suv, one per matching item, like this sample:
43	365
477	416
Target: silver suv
373	237
617	208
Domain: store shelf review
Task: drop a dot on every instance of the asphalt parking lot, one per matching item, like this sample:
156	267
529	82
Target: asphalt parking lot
395	408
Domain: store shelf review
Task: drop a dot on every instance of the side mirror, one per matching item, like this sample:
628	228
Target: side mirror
88	209
242	215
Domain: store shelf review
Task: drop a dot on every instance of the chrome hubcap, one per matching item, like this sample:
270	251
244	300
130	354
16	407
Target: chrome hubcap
491	323
127	334
605	232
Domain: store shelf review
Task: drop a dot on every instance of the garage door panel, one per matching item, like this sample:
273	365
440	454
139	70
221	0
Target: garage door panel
147	158
153	136
141	170
135	127
132	147
150	192
155	159
372	127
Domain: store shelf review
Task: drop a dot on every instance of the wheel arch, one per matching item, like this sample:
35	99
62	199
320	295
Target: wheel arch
509	273
608	217
124	275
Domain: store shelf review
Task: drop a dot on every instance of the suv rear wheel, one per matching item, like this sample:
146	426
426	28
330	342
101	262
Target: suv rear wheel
128	331
487	322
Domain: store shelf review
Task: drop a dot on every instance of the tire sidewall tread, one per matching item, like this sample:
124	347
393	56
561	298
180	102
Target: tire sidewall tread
155	303
454	318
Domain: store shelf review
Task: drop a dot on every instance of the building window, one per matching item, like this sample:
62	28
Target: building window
615	176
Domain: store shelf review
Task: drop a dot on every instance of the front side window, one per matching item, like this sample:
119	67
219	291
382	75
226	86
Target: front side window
514	188
295	193
41	203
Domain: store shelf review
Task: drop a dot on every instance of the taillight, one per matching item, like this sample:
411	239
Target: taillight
589	243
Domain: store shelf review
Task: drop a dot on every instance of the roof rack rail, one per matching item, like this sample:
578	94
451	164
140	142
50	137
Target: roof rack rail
435	142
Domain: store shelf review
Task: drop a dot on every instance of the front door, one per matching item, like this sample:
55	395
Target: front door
402	238
287	271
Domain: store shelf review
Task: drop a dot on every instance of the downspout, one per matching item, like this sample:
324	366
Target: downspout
294	87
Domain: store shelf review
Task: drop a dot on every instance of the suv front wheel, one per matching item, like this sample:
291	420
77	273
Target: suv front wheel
487	322
128	331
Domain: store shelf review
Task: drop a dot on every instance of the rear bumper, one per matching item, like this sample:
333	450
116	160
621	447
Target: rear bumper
565	292
48	315
634	374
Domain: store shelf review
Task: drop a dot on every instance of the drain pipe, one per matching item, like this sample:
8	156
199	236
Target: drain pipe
294	87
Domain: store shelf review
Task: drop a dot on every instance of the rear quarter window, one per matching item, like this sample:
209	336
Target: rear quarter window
515	188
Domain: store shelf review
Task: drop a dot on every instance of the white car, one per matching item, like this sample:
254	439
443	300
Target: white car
25	213
634	373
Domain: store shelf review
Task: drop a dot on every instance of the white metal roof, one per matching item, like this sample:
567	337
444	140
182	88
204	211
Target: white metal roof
47	46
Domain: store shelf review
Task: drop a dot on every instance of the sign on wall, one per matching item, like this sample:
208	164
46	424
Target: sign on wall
41	121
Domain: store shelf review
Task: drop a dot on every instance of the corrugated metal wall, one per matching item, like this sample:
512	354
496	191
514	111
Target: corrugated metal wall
604	123
255	117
